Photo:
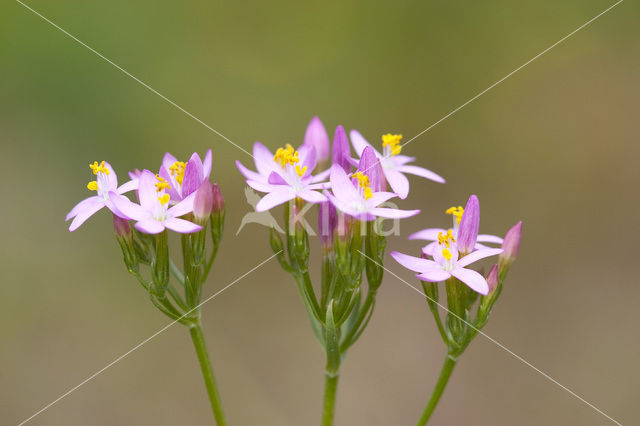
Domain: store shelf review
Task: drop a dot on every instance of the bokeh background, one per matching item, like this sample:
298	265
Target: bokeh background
556	146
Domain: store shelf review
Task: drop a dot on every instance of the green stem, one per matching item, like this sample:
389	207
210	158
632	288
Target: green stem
330	388
207	372
445	373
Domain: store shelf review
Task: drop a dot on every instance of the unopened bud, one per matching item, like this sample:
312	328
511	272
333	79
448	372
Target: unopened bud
203	202
492	278
218	199
121	227
511	243
469	226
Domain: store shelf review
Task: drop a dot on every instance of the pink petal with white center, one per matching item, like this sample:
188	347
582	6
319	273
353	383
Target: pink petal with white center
129	186
112	178
275	198
341	185
474	280
434	275
416	264
378	198
430	234
129	209
85	212
207	164
360	143
168	160
147	190
193	175
393	213
249	174
430	248
486	238
174	187
342	206
82	205
420	171
312	196
182	226
477	255
263	159
401	160
276	179
321	176
183	207
439	257
307	157
398	182
262	186
150	226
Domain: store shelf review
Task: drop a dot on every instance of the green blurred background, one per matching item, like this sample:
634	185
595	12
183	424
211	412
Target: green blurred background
556	146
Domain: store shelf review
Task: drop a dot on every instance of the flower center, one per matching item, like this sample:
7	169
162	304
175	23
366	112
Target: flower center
446	254
456	212
177	170
97	168
445	239
288	155
161	185
363	182
391	144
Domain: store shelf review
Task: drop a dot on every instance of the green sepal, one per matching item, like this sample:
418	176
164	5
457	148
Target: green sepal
332	343
160	264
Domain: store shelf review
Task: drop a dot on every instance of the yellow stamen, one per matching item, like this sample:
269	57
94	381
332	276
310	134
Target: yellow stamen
363	182
161	184
285	156
446	239
393	142
446	254
301	171
177	170
164	199
456	211
99	168
93	185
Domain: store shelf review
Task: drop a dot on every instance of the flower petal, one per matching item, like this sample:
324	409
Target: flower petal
477	255
393	213
275	198
173	184
420	171
341	185
341	152
430	248
430	234
276	179
150	226
129	186
312	196
82	205
85	212
321	176
182	226
111	177
263	159
434	275
473	279
127	208
486	238
147	193
378	198
168	160
207	164
193	175
307	155
249	174
416	264
183	207
398	182
359	142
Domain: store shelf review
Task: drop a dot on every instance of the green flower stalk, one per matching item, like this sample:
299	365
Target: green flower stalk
179	198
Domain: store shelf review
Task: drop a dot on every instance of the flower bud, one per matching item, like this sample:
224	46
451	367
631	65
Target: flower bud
316	136
327	222
511	243
492	278
341	153
218	200
203	202
370	165
121	227
469	226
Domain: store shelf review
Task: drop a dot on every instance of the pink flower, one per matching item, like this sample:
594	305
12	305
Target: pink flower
106	183
445	264
316	136
185	178
283	176
153	214
393	163
358	200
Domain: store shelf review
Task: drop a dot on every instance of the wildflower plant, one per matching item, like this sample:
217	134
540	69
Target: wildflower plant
179	198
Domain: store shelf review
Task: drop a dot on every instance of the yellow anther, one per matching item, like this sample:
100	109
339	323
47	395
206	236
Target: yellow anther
177	170
161	184
446	238
93	185
446	254
300	170
99	168
363	182
164	199
286	155
456	211
393	142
